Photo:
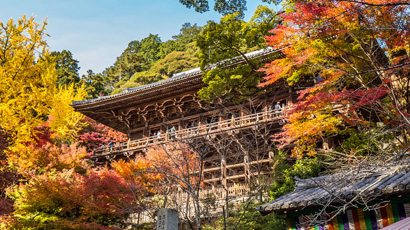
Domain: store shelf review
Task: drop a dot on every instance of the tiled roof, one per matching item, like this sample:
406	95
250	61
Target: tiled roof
175	78
343	187
401	225
186	75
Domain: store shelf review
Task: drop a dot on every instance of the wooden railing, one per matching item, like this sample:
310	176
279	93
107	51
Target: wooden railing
200	130
236	190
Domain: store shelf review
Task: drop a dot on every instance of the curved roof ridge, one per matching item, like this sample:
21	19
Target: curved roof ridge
178	76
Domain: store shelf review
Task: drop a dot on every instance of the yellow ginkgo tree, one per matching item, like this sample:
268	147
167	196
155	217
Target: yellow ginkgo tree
29	96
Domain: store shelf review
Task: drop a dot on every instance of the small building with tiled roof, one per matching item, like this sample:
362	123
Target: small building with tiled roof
367	198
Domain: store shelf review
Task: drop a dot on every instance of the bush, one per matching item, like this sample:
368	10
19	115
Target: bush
248	218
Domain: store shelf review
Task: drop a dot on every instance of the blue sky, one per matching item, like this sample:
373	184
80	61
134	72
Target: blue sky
97	31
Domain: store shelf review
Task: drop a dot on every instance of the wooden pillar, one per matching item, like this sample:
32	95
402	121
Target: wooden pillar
246	168
265	110
202	172
219	122
242	114
198	131
145	131
223	171
292	97
163	127
181	123
129	138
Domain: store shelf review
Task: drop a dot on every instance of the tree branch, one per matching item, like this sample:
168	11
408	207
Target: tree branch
377	5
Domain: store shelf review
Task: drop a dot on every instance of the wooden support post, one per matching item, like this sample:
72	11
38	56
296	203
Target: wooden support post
223	171
265	110
292	97
246	168
181	123
145	131
128	143
198	131
242	114
202	172
200	120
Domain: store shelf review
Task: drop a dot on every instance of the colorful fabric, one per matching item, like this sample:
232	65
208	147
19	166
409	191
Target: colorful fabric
356	219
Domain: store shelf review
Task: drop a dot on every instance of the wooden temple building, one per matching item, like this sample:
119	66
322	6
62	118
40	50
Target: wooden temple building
163	111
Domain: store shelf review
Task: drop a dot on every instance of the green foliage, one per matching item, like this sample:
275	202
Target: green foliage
66	67
249	219
149	48
125	66
138	79
223	40
151	60
95	84
369	141
229	38
357	141
138	56
284	173
231	84
222	6
173	63
184	41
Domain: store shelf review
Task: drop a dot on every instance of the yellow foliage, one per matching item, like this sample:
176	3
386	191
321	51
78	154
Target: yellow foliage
27	77
63	121
28	91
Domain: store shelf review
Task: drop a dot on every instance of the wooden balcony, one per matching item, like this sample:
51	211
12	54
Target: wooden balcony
204	130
